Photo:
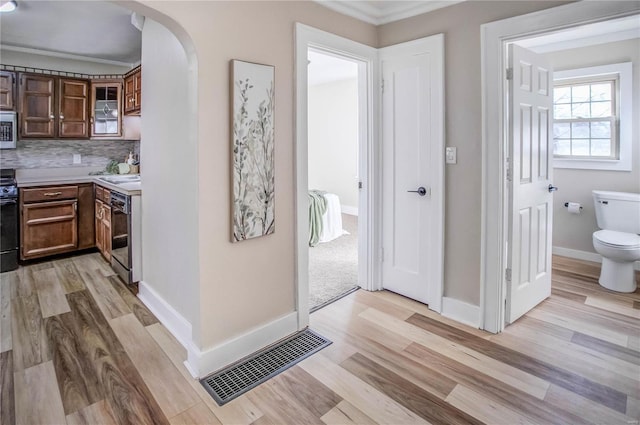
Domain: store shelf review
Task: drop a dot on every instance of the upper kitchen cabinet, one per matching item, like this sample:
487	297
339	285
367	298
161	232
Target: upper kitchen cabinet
132	92
7	90
53	107
106	108
73	108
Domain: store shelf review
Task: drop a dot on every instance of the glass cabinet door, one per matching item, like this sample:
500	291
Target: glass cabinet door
106	117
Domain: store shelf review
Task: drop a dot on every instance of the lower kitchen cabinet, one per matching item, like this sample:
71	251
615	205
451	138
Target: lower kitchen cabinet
56	220
103	222
86	233
49	228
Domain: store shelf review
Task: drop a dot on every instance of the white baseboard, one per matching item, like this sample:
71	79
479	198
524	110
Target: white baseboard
166	314
201	363
346	209
230	351
461	311
175	323
583	255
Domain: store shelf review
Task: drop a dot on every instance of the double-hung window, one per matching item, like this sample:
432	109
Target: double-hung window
592	116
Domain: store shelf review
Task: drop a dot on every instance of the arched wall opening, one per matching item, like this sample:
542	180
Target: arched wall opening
170	284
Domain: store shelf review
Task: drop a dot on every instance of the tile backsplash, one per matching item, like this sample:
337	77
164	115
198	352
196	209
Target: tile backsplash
59	153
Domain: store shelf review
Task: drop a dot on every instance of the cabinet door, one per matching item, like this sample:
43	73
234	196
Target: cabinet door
7	90
133	93
73	106
137	83
99	227
129	94
36	104
86	225
106	114
48	228
106	223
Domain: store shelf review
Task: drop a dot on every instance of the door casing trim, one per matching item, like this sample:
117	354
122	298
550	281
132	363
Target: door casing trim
494	220
308	37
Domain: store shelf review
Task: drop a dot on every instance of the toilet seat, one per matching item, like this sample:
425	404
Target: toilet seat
620	240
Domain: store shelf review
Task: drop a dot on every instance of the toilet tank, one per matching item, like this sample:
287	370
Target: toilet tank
618	211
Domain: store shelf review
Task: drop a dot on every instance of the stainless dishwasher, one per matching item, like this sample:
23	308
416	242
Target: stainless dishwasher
121	236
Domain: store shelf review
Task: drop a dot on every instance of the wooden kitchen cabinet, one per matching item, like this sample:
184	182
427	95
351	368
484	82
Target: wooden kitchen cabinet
49	221
73	108
86	229
103	221
53	107
133	92
7	91
56	219
37	117
106	109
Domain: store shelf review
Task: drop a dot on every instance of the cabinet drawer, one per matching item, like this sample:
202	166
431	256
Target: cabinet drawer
48	228
103	194
52	193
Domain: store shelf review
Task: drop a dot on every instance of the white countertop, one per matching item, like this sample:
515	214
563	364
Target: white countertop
29	177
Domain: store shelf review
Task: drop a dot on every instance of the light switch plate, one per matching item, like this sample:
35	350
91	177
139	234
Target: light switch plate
451	155
77	159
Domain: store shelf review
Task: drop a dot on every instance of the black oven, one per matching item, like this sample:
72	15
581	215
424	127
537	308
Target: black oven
121	235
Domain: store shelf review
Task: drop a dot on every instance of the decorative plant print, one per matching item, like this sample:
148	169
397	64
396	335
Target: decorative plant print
253	150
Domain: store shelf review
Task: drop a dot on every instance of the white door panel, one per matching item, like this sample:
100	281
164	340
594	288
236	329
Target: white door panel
412	155
530	102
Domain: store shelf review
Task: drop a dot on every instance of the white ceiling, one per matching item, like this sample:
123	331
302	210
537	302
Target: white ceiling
91	29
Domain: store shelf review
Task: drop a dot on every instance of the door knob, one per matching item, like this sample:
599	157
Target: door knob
552	188
421	191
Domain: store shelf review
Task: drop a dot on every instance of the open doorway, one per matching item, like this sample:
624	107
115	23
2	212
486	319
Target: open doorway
497	206
333	176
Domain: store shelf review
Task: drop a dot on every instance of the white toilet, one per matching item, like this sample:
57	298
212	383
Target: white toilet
618	215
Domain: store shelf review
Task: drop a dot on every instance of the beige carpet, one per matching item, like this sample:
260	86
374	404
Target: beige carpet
333	266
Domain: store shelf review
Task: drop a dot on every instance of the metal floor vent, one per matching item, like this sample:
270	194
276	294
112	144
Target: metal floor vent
235	380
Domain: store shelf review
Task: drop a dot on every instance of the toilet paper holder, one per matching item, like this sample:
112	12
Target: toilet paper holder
566	204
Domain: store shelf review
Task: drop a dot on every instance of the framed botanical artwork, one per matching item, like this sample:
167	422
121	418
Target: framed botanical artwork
252	94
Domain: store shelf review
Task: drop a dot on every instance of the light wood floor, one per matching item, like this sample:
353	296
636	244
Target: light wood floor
78	348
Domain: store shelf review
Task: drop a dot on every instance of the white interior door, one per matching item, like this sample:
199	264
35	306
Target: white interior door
531	190
412	177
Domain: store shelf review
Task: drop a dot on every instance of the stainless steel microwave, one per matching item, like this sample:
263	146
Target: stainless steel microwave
8	130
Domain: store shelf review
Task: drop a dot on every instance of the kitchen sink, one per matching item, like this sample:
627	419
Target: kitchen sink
121	179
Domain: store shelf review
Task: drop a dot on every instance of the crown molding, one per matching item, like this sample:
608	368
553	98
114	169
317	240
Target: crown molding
50	53
366	12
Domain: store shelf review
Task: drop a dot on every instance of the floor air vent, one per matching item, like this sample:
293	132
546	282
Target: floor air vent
237	379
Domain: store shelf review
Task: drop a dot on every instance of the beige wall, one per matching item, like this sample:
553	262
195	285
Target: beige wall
574	231
333	139
460	25
245	285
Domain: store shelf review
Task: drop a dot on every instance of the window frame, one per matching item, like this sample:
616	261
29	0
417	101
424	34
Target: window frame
621	122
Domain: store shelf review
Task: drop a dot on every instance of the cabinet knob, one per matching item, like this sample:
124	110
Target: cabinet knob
52	117
61	117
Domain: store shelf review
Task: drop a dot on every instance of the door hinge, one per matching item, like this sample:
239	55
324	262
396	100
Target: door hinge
383	85
509	73
507	275
359	185
381	255
509	177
